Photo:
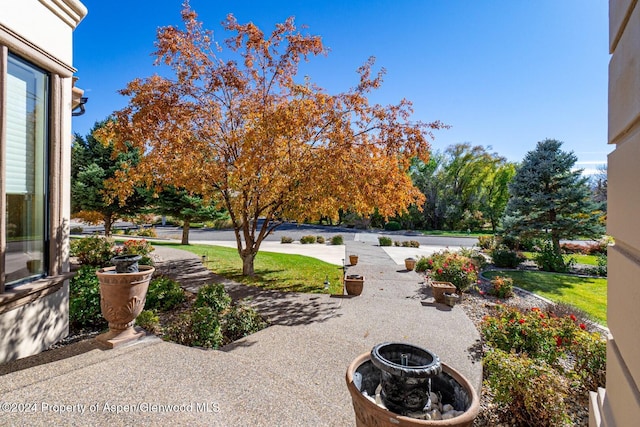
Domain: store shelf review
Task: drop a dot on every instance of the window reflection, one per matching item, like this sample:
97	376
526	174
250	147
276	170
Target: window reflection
25	169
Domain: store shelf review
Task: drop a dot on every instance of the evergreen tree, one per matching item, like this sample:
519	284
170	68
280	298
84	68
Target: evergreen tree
186	207
550	200
92	163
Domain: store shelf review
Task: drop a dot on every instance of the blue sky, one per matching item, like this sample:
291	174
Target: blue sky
502	73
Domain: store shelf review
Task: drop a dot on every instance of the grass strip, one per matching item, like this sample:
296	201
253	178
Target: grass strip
585	293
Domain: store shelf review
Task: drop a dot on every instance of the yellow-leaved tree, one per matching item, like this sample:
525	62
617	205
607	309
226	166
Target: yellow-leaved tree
269	147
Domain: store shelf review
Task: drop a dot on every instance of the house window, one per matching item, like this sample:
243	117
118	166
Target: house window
25	170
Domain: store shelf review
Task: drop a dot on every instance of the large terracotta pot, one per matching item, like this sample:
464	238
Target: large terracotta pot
353	259
410	263
363	375
122	298
354	284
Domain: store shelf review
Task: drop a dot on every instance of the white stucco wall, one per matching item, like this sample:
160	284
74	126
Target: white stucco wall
44	29
48	24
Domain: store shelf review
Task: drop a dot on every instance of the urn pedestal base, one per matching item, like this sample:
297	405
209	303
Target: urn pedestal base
114	338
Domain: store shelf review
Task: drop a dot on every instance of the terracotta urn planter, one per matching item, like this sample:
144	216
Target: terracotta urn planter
440	288
353	259
451	387
410	263
354	283
122	298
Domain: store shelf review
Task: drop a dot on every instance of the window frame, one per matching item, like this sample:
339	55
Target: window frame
56	228
46	166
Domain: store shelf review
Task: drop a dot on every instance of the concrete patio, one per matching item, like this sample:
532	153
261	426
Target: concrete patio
290	374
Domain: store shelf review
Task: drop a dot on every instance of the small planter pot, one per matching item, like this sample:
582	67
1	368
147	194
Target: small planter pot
354	283
122	298
451	299
410	263
440	288
353	259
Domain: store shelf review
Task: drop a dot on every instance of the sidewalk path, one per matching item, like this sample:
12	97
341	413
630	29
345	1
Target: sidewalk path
290	374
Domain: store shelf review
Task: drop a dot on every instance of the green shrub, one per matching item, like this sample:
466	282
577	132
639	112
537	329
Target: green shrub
320	239
205	324
385	241
601	269
76	230
504	257
164	294
337	240
396	243
392	226
197	327
214	296
147	232
451	267
530	391
422	264
84	299
149	321
240	321
548	260
307	239
137	247
486	242
590	353
95	251
286	239
501	287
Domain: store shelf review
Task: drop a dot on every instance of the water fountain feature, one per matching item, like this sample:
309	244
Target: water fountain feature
402	384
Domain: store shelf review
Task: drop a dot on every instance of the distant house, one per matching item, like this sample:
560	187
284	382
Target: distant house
36	102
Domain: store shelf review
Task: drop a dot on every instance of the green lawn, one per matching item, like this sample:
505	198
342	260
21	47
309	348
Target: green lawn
283	272
586	293
580	259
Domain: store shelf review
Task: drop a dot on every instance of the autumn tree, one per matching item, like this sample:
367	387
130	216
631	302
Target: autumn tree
92	165
235	123
551	200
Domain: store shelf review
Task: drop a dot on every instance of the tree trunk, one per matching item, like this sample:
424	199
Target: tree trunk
185	231
247	264
556	244
108	222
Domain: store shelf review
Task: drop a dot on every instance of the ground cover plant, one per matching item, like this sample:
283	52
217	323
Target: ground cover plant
209	319
588	294
283	272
